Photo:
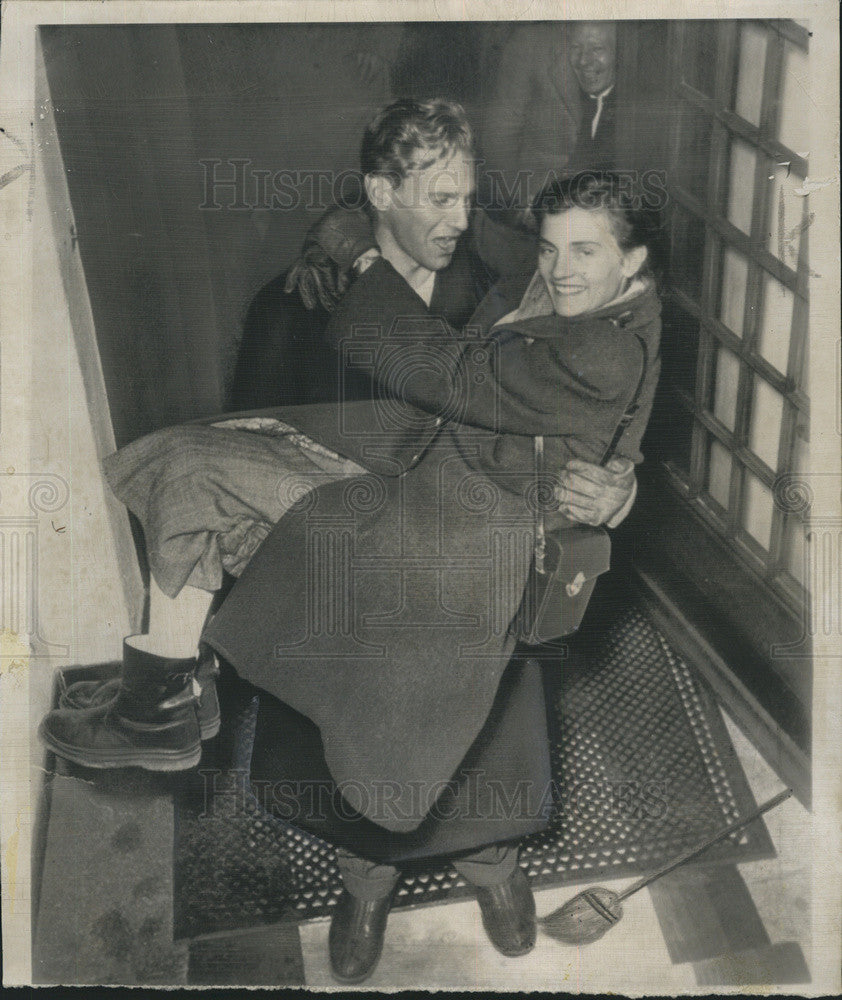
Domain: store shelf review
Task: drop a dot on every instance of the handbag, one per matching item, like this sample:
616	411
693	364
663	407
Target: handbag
566	561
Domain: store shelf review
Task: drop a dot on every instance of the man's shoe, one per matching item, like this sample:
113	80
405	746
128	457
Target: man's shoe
93	693
508	914
356	936
151	723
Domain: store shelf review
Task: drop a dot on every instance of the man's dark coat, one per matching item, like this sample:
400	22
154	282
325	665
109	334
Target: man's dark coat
285	359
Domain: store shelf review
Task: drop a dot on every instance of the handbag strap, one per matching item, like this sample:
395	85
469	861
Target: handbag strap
538	452
632	407
540	547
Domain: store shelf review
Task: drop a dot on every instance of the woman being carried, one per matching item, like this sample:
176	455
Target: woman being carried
563	358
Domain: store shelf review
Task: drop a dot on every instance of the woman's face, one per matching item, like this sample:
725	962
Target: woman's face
581	261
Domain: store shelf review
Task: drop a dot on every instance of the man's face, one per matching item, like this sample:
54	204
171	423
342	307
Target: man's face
581	262
428	211
593	51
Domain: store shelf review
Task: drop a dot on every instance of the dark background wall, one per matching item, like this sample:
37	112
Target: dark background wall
146	115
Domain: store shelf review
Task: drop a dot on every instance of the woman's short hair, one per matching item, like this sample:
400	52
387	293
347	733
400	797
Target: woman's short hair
598	191
412	135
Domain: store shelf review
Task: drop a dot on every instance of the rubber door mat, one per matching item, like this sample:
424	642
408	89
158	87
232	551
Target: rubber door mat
643	769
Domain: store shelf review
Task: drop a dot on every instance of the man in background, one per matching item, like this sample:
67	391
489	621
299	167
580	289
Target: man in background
593	58
573	96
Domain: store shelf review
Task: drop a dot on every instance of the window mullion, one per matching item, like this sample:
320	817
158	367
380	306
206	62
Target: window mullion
754	289
795	33
796	362
791	416
717	192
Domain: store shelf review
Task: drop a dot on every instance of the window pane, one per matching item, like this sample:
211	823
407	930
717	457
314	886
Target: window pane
766	412
787	215
794	123
719	473
757	510
741	184
775	323
691	170
750	72
687	256
726	381
732	291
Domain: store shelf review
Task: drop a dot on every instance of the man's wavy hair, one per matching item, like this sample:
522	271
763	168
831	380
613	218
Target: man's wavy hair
412	135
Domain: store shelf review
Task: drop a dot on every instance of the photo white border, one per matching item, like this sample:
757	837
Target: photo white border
17	106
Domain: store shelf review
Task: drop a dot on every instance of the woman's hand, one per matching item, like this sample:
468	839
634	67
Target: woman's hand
594	494
334	243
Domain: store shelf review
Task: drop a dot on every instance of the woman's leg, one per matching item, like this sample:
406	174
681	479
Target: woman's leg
175	623
206	498
164	705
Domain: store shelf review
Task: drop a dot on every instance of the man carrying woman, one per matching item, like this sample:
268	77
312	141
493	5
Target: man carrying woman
412	687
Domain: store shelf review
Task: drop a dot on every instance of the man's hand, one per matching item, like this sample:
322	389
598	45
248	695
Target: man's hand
593	494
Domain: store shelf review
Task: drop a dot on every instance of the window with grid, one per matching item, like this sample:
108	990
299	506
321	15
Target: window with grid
738	284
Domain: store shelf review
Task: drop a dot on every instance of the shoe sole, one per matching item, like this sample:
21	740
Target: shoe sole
208	730
149	760
510	954
345	981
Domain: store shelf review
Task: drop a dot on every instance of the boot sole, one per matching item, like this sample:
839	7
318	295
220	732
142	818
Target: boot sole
509	953
352	980
149	760
208	730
